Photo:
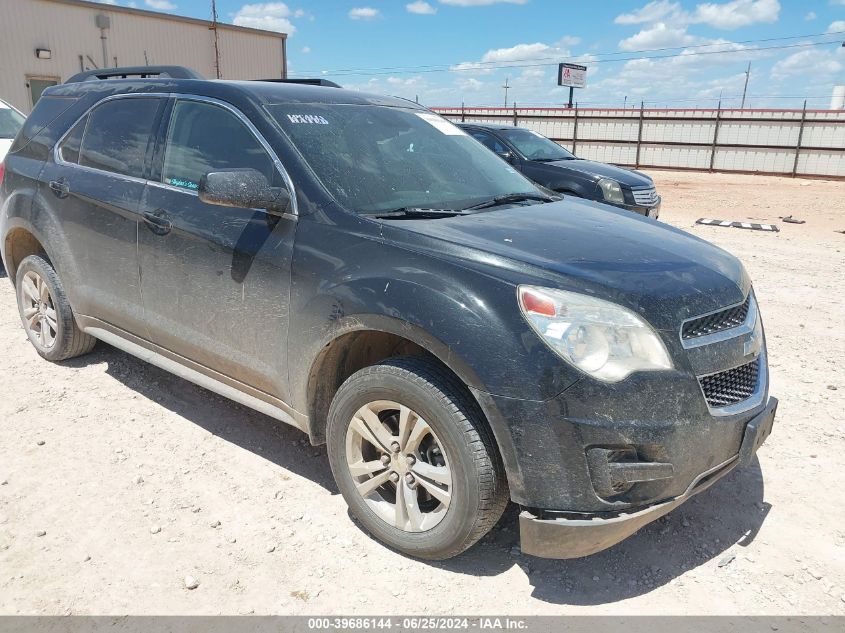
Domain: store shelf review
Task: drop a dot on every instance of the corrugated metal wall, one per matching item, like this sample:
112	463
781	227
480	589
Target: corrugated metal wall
69	31
764	141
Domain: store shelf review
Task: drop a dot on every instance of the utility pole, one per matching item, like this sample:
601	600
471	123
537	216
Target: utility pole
745	90
506	86
216	42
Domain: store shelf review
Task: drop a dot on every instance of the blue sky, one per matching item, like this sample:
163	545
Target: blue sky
449	51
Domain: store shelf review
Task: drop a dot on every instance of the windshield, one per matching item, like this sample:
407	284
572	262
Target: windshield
10	122
535	146
377	158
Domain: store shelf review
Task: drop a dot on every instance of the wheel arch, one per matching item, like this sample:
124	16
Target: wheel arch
18	244
361	341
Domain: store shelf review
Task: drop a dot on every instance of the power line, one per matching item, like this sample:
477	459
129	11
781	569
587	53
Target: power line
612	57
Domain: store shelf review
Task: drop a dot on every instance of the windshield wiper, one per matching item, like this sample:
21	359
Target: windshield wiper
415	212
511	197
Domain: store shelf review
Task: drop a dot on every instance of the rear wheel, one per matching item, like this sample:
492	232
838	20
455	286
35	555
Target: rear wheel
414	459
46	314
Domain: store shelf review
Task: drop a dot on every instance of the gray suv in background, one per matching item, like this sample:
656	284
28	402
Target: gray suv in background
556	168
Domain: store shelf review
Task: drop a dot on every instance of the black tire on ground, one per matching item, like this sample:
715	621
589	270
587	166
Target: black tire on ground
69	340
479	492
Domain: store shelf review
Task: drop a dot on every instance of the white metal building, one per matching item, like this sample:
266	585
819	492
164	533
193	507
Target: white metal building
44	42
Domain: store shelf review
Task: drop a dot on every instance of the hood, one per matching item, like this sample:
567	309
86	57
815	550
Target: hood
663	273
603	170
5	144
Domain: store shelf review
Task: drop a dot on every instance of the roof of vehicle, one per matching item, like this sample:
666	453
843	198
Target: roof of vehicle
259	92
490	126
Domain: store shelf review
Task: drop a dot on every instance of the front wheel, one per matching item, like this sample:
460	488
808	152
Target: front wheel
414	458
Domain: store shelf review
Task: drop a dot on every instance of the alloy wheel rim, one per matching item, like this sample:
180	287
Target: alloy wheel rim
39	311
399	466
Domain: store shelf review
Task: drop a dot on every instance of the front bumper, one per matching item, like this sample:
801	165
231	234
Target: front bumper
652	211
565	535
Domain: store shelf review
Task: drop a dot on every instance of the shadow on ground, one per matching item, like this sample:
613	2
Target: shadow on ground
699	532
271	439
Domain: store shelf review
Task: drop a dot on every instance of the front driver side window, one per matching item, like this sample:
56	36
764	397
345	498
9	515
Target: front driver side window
204	137
490	141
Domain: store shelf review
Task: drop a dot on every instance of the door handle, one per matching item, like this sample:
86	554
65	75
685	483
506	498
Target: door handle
60	188
157	222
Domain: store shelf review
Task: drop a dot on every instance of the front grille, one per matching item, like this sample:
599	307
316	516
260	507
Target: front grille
724	320
731	386
645	197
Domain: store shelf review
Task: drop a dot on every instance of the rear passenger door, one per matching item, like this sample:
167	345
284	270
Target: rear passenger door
216	279
94	184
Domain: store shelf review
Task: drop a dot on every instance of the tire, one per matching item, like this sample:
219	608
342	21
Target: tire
446	436
46	314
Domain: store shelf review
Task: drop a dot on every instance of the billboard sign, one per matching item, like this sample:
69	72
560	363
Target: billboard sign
572	75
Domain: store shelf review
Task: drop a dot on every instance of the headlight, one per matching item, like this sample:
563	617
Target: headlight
612	191
600	338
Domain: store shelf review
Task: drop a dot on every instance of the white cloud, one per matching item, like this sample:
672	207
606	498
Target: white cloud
306	49
721	15
520	52
807	63
470	84
810	16
658	35
568	40
363	13
837	26
480	3
732	15
652	12
160	5
269	16
495	58
420	8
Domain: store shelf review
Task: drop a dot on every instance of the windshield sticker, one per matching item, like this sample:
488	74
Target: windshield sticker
441	124
313	119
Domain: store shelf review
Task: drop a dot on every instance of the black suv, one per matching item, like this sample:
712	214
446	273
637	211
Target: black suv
360	268
556	168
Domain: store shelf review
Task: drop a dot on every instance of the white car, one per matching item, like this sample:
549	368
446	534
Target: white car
11	120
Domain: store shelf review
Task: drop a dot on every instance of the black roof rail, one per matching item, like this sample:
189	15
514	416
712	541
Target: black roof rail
141	72
305	81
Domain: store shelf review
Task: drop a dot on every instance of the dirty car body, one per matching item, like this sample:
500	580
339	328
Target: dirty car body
277	308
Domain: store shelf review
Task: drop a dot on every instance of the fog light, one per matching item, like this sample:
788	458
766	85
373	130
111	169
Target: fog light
616	470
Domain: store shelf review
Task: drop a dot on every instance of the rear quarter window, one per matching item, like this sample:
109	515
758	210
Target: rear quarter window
46	111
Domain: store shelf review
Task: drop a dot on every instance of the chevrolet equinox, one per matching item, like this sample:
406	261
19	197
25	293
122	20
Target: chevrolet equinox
360	268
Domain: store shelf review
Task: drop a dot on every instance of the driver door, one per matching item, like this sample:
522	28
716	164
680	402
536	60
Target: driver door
215	280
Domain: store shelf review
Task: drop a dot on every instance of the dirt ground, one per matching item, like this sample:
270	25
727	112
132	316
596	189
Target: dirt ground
119	480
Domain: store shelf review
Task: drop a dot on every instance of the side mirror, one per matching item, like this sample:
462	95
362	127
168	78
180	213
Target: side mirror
506	156
245	189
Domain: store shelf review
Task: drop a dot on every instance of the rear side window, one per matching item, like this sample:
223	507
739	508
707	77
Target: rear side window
204	137
69	149
46	110
118	134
